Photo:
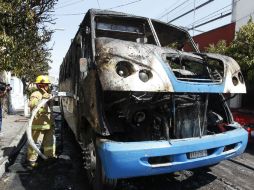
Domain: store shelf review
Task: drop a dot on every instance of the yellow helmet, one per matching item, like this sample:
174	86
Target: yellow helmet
42	79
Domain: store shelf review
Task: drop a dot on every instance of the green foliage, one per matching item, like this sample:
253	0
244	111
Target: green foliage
221	47
24	35
241	49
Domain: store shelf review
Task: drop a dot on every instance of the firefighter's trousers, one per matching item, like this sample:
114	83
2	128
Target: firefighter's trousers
43	139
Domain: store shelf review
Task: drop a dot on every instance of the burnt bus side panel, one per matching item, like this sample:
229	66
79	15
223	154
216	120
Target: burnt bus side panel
90	102
68	105
68	82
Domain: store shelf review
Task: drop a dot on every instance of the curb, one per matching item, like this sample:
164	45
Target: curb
4	160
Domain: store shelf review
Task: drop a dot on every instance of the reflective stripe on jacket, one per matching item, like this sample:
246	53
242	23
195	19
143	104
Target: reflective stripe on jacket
41	127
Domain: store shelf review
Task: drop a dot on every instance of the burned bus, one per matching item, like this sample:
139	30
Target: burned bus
144	101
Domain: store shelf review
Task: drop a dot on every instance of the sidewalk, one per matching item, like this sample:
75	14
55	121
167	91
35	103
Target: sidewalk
13	127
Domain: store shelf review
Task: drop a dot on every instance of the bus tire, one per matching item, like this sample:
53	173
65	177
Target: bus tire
95	173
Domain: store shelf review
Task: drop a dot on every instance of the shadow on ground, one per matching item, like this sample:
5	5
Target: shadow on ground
177	181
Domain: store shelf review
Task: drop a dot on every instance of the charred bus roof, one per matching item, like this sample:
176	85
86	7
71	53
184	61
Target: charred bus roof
111	17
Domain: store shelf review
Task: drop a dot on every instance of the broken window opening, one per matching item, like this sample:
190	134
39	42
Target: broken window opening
192	69
173	37
124	28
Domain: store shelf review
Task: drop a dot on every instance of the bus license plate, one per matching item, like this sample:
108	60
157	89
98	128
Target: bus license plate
197	154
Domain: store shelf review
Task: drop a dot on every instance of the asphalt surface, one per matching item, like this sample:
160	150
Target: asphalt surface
67	173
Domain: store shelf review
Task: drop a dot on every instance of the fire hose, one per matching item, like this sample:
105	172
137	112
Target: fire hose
33	114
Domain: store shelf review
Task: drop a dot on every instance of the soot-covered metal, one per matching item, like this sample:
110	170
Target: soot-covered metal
153	87
138	116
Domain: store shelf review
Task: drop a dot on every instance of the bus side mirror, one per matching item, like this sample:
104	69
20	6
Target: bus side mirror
83	65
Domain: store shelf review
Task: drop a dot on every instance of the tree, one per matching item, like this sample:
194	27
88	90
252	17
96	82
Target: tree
241	49
221	48
24	35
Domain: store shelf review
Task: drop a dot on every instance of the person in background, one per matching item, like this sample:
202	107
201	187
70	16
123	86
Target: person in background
42	125
2	94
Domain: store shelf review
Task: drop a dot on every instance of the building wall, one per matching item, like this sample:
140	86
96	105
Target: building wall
16	96
226	33
242	10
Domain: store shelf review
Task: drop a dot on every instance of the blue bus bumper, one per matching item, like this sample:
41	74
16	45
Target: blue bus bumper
131	159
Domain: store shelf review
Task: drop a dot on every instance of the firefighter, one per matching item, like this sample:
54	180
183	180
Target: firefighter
42	125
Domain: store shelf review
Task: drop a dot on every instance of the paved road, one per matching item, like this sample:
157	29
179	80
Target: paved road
14	127
66	173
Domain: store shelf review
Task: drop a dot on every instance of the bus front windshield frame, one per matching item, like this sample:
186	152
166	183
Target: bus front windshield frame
138	29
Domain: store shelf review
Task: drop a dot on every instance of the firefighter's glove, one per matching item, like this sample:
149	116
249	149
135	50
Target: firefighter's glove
46	96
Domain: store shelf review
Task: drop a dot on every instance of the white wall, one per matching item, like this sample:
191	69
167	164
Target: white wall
242	11
5	77
16	95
